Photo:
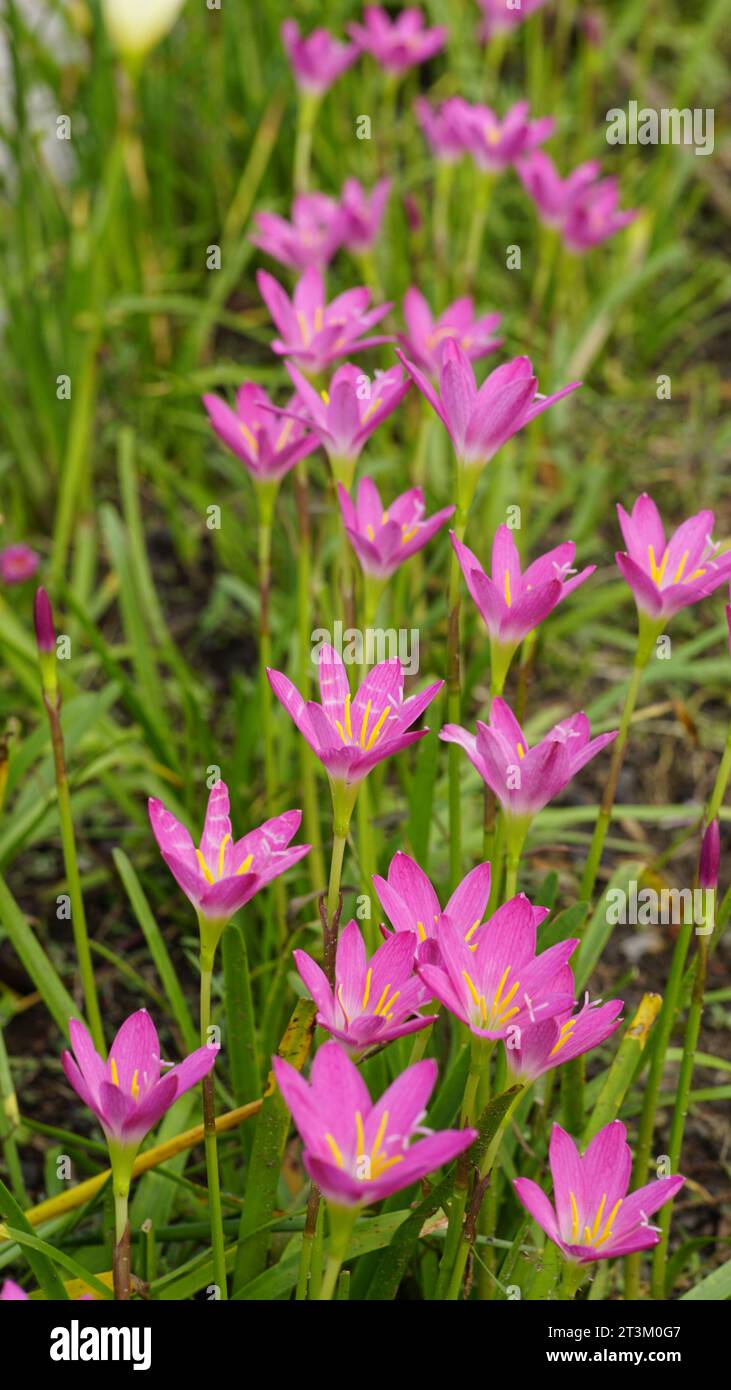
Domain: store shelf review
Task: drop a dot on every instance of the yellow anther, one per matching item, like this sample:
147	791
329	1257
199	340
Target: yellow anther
204	867
567	1032
284	435
334	1150
472	929
367	988
521	751
364	725
656	571
681	567
318	318
499	990
135	1087
507	587
406	534
370	532
575	1218
378	728
610	1222
325	396
250	438
471	987
382	1000
421	931
372	407
598	1220
244	868
359	1136
304	328
114	1072
221	852
348	724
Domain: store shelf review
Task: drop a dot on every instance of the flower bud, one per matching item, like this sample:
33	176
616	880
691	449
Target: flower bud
135	26
710	856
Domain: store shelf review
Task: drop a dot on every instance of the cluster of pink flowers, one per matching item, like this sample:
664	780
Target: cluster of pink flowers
320	225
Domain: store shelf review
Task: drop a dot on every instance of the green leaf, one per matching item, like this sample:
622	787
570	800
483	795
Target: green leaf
39	1262
32	956
716	1287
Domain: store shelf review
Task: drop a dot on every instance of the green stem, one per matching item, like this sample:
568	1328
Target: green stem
571	1281
721	782
342	1220
336	870
462	1253
73	880
680	1111
483	183
454	695
210	1141
315	858
306	115
591	867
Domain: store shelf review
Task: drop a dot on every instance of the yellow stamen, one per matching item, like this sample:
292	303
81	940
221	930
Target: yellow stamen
610	1222
284	436
378	728
499	1012
521	751
382	999
407	536
318	318
372	407
575	1215
325	396
348	724
499	990
680	568
656	571
471	987
598	1220
367	988
472	929
334	1150
204	867
251	439
370	532
567	1032
304	327
359	1135
113	1070
507	587
388	1008
364	725
135	1087
421	931
221	851
244	868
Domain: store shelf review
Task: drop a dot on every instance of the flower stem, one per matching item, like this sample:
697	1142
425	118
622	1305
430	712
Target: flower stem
121	1257
342	1220
210	1141
73	880
465	1244
306	115
483	184
454	698
591	867
571	1281
315	858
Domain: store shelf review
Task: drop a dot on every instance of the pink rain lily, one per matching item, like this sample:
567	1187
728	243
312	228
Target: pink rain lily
11	1292
443	127
500	985
592	1218
499	16
548	1044
267	447
222	874
495	143
595	216
383	537
130	1092
525	779
511	604
424	337
412	906
351	735
480	420
361	214
318	60
345	415
18	563
314	333
397	44
374	1000
311	238
553	196
354	1150
665	576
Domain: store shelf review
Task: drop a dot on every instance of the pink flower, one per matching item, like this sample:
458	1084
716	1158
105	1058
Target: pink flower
357	1152
480	420
128	1094
383	537
499	985
424	337
311	238
397	44
361	214
223	874
350	736
553	196
525	779
18	563
11	1292
512	604
267	447
499	16
553	1041
595	216
592	1218
665	576
495	143
374	1000
318	60
412	905
312	332
443	127
345	415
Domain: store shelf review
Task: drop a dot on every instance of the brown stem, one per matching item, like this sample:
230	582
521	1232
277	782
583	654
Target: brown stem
121	1266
